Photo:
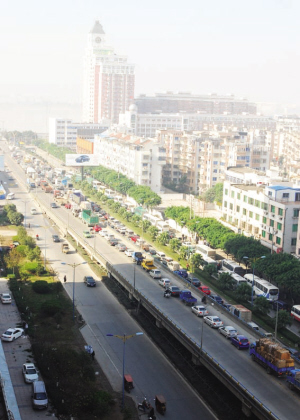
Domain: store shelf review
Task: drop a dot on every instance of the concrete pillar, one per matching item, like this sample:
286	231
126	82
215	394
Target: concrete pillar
246	408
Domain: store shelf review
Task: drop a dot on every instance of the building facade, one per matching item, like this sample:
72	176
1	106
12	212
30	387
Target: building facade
108	85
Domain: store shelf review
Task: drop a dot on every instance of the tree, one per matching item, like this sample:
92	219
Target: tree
283	320
12	259
243	292
183	252
163	238
225	281
174	244
210	269
153	232
195	261
261	305
145	225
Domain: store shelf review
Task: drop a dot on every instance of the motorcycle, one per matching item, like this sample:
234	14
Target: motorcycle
167	294
144	406
37	237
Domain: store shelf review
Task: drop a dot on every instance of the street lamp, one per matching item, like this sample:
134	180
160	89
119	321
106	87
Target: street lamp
124	338
253	261
74	266
25	202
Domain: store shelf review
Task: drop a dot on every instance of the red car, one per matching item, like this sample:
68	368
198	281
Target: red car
68	205
134	238
97	228
205	289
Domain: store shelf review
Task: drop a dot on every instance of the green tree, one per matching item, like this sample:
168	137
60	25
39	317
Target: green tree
163	238
183	252
174	244
195	261
261	305
153	232
283	320
12	260
225	281
145	225
210	269
243	292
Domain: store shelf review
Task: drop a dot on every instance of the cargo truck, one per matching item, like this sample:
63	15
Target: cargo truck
89	218
273	357
241	312
148	265
86	205
65	248
187	298
293	379
137	257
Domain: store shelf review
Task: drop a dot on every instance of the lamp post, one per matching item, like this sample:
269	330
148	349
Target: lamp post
124	338
74	265
253	261
25	202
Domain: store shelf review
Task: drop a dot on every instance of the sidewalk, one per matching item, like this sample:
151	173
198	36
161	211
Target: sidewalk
16	353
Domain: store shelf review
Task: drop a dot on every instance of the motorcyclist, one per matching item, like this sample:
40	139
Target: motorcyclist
37	236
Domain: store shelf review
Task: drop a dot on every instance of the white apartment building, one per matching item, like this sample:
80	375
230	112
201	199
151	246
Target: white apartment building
267	212
138	159
63	132
108	85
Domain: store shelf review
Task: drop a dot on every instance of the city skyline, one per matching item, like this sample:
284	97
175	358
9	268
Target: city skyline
249	51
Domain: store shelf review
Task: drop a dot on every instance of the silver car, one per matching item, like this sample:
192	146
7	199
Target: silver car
199	310
228	331
213	321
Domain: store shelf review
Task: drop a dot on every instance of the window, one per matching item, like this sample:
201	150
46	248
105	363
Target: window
238	209
264	206
270	237
280	212
225	204
278	240
293	241
238	196
279	226
272	209
272	223
256	216
231	206
251	214
251	201
226	191
244	212
295	228
285	195
263	233
264	220
296	213
257	203
245	199
232	194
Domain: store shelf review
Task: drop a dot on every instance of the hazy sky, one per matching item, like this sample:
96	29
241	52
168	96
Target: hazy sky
248	48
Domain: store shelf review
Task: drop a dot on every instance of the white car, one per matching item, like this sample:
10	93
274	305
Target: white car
121	247
199	310
228	331
164	282
155	274
30	373
213	321
129	252
5	298
103	232
11	334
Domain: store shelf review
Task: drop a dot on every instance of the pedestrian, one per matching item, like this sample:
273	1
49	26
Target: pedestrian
93	355
26	328
65	279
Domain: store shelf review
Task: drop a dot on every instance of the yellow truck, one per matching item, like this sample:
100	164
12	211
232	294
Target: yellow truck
65	248
148	265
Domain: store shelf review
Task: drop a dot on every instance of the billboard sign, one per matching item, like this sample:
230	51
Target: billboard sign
81	160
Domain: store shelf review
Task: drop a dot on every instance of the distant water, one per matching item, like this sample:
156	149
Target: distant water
35	116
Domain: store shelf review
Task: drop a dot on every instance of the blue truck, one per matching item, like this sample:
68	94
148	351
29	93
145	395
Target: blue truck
293	379
187	298
137	257
261	353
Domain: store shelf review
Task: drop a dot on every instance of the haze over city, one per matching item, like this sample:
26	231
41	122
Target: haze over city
249	50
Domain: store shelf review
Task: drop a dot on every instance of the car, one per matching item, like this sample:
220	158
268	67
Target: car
152	251
30	373
228	331
175	291
82	158
217	299
5	298
253	325
199	310
181	273
295	354
12	334
129	252
113	242
194	281
204	289
155	274
213	321
121	247
240	341
87	234
103	232
89	281
164	282
53	205
97	228
134	238
55	238
68	206
280	304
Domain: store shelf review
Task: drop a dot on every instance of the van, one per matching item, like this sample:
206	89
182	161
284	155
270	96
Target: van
39	395
33	211
253	325
10	196
161	254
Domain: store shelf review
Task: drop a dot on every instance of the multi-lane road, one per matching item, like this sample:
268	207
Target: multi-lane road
270	390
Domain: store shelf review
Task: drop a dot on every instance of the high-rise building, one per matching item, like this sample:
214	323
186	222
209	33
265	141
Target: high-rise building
108	86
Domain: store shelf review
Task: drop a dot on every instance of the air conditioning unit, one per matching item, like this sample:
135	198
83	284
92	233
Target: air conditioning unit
262	226
280	218
273	215
265	212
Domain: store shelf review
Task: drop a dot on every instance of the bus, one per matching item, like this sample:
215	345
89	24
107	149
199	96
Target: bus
232	267
262	287
208	261
237	279
295	312
206	250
